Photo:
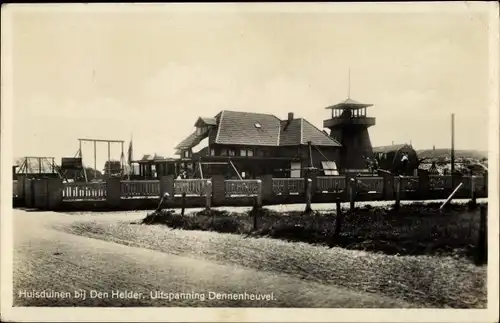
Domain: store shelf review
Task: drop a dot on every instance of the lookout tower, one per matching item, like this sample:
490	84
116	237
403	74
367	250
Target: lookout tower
349	126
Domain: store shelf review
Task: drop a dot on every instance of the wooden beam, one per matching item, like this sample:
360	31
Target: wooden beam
214	163
101	140
451	196
235	169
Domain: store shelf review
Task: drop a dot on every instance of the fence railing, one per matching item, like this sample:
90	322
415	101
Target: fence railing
371	184
330	184
140	189
84	191
440	182
409	183
288	186
77	191
192	187
235	187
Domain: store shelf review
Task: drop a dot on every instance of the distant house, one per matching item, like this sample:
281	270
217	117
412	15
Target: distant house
255	144
152	166
389	157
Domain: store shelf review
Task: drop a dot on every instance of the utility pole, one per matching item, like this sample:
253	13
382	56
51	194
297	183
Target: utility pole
452	147
95	160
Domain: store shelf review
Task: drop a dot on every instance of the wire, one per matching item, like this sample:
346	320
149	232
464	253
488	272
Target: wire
321	153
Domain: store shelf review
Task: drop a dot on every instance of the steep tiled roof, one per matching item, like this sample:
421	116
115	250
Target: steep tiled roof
246	128
191	141
259	129
300	132
207	121
316	136
291	135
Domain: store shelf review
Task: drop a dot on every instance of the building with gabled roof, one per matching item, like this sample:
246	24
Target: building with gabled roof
257	144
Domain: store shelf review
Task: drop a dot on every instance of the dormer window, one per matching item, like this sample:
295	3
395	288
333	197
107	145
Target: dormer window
257	125
201	130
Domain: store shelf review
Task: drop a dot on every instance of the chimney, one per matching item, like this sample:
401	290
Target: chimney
289	120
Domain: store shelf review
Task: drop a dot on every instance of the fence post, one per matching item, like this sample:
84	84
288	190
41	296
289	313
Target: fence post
183	203
352	182
338	218
218	189
308	196
267	188
55	193
259	193
208	195
485	184
473	191
113	192
397	183
482	245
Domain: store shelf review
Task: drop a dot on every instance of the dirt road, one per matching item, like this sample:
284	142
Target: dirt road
53	268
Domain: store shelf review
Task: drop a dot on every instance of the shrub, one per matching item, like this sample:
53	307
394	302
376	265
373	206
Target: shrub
416	229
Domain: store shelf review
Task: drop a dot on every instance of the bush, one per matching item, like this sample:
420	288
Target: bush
416	229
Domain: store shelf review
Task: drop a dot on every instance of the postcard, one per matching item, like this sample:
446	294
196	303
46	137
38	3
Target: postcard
250	162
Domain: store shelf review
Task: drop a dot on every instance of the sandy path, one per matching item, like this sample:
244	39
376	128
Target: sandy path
47	259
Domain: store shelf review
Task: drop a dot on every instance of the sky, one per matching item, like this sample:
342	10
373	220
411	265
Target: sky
150	74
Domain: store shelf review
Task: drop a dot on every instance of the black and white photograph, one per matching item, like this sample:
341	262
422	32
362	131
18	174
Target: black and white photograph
250	162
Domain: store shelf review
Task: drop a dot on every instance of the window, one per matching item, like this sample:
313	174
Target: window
186	154
232	152
212	152
250	152
223	152
260	152
243	152
201	130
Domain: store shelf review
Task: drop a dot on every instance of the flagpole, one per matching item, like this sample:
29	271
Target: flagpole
130	148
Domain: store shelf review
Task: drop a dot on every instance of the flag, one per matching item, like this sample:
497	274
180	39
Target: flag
130	150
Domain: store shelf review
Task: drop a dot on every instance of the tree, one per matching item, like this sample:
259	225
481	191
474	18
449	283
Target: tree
112	168
93	174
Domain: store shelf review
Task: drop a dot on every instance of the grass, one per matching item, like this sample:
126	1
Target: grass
448	281
415	229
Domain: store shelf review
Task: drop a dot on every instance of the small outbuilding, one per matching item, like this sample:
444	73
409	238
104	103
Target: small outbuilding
401	159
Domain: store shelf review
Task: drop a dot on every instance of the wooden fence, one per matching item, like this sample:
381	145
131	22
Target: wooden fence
140	189
84	191
220	190
409	183
288	186
242	188
191	187
330	184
